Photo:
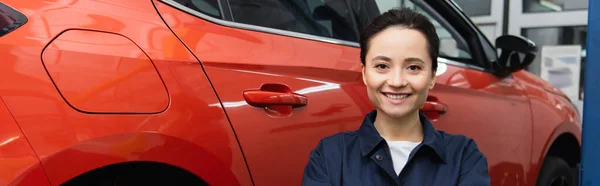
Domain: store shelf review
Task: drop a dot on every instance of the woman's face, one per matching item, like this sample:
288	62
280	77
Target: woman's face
398	71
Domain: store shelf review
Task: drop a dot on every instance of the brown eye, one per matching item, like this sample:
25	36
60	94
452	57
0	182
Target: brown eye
414	67
381	66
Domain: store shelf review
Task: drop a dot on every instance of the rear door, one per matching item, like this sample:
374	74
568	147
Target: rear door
492	110
287	72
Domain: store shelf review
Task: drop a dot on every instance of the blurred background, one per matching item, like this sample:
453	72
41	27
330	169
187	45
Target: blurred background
554	25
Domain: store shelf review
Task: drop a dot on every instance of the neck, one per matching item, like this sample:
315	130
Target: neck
407	128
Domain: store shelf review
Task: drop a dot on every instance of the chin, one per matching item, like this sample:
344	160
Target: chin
396	112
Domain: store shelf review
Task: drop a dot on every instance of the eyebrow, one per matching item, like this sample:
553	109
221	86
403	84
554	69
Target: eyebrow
382	58
414	59
387	59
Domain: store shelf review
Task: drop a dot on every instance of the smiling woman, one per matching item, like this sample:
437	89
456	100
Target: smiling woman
399	51
398	73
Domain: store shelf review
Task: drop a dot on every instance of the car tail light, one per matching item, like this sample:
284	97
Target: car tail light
10	19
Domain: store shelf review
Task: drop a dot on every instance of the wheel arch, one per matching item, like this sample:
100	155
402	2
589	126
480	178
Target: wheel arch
566	135
567	147
138	173
565	138
144	147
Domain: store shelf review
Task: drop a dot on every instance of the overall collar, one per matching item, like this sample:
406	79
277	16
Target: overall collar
370	139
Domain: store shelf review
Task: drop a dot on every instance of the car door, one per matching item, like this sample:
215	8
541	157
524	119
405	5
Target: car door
287	73
492	110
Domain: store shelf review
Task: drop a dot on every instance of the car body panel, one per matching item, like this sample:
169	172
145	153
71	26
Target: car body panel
494	112
553	116
101	72
200	133
329	77
20	165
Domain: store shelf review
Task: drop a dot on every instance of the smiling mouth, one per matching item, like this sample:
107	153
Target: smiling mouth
396	96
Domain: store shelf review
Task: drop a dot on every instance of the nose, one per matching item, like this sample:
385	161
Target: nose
396	79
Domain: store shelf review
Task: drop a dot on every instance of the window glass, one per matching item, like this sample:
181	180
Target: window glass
554	5
490	52
452	45
330	18
208	7
475	7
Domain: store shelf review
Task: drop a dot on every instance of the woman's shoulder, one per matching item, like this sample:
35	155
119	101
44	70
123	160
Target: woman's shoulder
459	145
455	138
338	139
337	143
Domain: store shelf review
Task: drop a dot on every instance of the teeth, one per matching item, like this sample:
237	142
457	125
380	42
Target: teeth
396	96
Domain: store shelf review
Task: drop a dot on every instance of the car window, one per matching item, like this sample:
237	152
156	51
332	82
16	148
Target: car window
330	18
208	7
452	45
490	52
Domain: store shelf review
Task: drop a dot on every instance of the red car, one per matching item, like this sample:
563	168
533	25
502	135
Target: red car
238	92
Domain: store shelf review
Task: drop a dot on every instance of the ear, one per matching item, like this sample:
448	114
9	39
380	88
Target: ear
364	78
432	83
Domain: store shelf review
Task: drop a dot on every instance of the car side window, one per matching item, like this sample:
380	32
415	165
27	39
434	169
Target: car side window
330	18
208	7
490	52
452	44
